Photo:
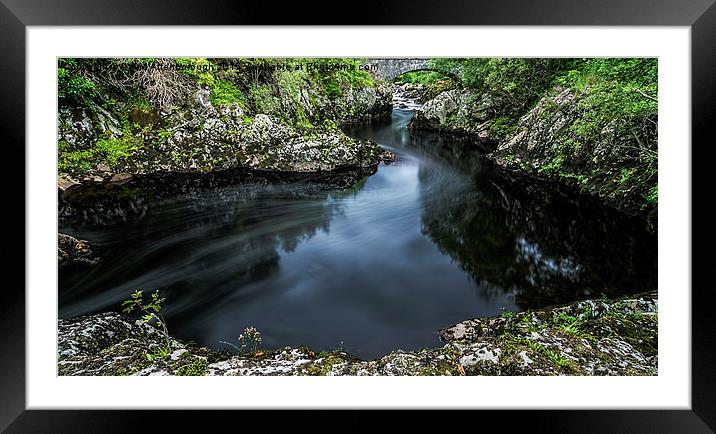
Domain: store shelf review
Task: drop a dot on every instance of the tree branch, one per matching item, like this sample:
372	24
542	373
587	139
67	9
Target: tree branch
640	92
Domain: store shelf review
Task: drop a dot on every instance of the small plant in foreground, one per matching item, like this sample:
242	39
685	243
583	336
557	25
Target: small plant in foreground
160	354
507	314
248	341
151	313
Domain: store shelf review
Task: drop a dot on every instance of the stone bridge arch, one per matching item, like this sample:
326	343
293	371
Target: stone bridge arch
389	69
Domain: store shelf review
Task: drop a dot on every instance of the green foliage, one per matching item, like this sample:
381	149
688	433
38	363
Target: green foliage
426	78
446	65
293	84
514	84
107	150
69	160
625	174
72	86
554	166
568	323
224	92
503	127
112	150
580	178
164	135
160	354
555	357
653	196
264	100
150	311
637	72
618	96
337	74
201	69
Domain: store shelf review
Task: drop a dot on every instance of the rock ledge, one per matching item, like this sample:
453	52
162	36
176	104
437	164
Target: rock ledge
592	337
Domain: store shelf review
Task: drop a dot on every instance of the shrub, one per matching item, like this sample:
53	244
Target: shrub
72	86
224	92
150	311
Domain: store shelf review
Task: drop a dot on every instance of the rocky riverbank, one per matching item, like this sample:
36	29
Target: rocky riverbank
592	337
120	119
583	128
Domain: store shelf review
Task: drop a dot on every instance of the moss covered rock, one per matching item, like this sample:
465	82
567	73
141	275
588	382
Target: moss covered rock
71	251
592	337
213	119
549	143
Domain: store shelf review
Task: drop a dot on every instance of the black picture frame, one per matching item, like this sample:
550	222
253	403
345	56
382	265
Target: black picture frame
16	15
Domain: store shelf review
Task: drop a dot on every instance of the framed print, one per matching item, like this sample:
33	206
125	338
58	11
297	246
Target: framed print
383	213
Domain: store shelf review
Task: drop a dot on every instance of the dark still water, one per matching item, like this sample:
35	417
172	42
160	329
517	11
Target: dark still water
423	243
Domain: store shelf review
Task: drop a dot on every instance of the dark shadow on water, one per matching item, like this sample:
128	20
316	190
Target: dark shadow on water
325	261
549	247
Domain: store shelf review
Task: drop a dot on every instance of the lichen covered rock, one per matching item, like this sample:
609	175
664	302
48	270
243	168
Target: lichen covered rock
287	121
455	111
71	251
553	142
593	337
361	104
612	166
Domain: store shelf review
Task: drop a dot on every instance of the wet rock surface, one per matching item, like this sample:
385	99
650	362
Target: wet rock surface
543	146
71	251
455	111
592	337
105	202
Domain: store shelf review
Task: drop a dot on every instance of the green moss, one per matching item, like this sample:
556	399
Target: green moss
70	160
636	328
554	166
448	364
503	127
112	150
434	89
107	150
324	363
198	367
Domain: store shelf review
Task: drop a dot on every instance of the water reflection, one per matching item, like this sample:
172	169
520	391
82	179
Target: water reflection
423	243
544	246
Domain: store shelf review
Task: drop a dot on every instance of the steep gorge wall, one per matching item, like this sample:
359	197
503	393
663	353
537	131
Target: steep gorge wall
226	115
598	138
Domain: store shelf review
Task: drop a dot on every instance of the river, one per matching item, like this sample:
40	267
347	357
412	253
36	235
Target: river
433	239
